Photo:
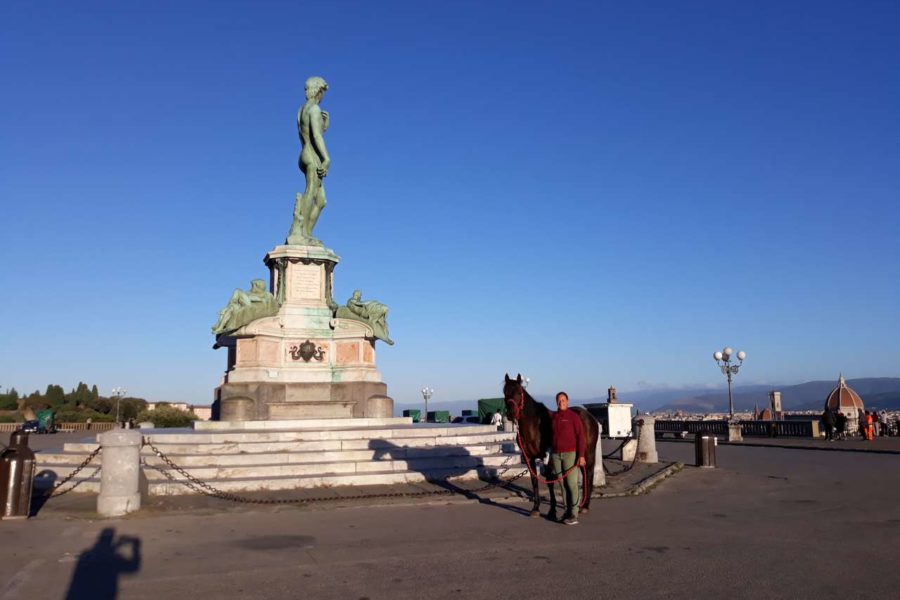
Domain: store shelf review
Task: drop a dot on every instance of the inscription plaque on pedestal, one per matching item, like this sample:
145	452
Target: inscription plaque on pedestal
306	282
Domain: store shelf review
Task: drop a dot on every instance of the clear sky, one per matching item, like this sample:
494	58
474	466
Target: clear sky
592	194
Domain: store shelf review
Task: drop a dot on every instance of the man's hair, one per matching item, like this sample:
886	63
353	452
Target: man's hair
558	394
314	85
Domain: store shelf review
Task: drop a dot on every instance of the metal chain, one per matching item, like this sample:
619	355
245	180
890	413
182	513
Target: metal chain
54	491
625	441
500	482
633	460
206	489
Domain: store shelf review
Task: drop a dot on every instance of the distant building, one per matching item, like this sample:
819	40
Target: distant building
203	411
843	399
776	413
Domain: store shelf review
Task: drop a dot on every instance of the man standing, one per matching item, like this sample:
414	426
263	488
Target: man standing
828	419
567	452
314	161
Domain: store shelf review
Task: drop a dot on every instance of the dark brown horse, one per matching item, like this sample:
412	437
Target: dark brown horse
536	439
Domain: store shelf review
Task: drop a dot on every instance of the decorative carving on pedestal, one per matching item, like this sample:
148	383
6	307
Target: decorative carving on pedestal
307	351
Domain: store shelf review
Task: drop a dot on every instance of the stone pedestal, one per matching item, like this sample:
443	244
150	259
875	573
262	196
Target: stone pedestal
646	447
119	472
734	432
599	474
302	363
629	449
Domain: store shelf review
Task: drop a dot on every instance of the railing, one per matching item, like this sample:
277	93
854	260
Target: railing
9	427
807	429
85	426
715	427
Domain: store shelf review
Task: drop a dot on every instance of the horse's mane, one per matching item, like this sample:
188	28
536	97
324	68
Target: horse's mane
533	407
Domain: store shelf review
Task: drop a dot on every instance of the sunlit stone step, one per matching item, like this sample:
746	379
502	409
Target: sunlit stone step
301	423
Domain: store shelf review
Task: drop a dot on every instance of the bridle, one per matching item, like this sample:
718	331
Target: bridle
520	404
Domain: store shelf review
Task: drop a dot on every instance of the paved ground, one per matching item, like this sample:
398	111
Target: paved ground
769	523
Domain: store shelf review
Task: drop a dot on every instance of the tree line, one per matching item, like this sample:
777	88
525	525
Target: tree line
78	405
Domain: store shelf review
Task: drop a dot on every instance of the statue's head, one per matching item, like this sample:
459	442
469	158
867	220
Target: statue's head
314	87
257	285
357	294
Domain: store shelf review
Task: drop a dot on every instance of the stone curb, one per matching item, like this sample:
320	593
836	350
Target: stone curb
646	484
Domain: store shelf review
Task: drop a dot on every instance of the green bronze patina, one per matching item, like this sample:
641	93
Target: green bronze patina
370	312
312	122
245	307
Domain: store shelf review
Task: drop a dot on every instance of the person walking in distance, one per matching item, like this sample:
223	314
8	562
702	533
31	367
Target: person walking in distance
567	452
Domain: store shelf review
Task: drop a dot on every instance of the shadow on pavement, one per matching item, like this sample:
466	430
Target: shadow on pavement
97	573
422	460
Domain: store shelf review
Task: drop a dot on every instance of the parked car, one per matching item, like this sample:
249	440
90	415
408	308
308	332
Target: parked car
467	419
32	426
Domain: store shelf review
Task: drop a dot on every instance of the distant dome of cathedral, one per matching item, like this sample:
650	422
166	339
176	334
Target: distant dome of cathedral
844	399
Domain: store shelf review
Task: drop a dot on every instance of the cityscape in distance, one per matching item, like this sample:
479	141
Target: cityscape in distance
876	392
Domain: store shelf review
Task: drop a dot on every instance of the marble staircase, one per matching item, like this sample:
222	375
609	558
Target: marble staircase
291	455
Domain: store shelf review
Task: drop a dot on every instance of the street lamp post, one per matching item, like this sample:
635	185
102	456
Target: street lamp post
723	359
427	393
118	393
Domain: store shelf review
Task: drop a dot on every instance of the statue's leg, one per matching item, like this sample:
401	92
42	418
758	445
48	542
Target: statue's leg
316	207
312	186
224	315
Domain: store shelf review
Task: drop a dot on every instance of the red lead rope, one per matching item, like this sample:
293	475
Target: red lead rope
519	406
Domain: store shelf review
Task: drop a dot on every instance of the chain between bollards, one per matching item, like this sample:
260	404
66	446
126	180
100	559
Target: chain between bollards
54	491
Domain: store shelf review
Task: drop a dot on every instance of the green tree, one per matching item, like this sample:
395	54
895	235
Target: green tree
55	395
95	393
130	408
168	416
102	405
9	400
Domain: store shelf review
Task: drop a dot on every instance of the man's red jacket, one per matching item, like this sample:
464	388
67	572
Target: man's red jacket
568	433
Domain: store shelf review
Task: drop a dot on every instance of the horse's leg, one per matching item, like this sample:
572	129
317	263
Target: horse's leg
535	490
588	483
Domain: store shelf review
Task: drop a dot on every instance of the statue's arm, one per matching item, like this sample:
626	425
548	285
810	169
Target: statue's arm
317	128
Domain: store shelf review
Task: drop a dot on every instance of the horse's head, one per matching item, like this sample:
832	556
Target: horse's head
514	396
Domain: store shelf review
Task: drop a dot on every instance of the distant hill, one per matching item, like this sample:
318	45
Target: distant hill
876	392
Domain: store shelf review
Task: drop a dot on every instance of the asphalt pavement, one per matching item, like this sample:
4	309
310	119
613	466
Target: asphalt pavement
768	523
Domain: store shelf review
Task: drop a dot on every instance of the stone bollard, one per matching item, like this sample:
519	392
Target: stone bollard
599	475
647	440
629	449
119	472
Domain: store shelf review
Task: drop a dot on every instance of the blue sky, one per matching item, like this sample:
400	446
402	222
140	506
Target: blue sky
593	194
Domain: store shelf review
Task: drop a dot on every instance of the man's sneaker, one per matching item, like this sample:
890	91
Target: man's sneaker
571	521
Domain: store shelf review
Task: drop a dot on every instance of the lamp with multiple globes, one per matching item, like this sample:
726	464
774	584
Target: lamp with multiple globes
723	359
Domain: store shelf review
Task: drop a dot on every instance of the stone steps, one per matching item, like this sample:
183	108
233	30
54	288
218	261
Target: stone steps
281	469
375	433
303	423
197	457
247	460
164	487
179	444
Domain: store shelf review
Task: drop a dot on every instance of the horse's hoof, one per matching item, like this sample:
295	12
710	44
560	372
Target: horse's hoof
534	513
